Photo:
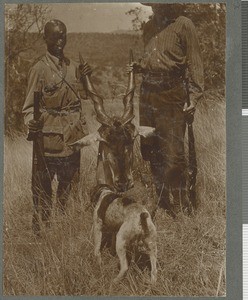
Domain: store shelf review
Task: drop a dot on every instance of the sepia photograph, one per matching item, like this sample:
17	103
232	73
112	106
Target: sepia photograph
115	149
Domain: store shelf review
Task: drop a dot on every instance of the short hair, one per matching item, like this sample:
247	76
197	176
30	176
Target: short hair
53	23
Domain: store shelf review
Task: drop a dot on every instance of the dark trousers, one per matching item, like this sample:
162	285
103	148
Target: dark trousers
165	150
65	168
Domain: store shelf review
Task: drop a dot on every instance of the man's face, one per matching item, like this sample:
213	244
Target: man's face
159	14
55	38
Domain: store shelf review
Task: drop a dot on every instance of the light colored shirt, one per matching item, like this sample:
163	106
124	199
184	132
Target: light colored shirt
61	103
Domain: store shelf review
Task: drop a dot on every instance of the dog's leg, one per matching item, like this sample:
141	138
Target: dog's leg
97	238
153	259
151	245
121	245
113	244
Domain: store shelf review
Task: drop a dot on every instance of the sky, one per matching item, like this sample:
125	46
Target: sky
96	17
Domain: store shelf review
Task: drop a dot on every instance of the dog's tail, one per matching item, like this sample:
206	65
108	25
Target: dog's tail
143	221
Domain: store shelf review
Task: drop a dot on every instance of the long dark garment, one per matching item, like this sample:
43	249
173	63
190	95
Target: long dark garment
165	151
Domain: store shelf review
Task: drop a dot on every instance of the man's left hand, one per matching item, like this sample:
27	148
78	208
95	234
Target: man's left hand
134	67
85	69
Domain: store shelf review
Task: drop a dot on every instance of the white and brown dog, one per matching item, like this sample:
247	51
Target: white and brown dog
128	222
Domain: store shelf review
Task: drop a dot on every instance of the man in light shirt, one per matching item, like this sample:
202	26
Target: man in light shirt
62	118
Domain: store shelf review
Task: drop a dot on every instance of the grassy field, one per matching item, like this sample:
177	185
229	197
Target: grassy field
191	250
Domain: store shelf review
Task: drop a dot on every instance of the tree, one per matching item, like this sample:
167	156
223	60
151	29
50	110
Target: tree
23	29
137	20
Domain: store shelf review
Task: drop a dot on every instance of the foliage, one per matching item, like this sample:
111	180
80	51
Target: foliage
137	21
21	20
210	21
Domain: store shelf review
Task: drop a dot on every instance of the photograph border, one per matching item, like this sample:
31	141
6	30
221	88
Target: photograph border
233	153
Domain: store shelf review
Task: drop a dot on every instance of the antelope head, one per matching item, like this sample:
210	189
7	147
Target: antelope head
116	137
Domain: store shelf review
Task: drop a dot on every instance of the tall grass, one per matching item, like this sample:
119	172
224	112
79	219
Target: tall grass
191	250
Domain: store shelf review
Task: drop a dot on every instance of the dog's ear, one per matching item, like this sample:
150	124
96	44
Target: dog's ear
96	191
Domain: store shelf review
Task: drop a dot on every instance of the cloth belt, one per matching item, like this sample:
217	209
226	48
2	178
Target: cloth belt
64	111
161	80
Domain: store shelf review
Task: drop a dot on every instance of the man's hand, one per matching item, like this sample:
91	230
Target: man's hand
85	69
189	112
134	67
34	126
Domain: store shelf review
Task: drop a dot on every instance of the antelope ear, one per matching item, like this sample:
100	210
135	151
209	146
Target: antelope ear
86	141
145	131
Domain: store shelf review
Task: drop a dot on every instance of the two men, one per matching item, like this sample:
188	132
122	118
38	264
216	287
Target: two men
172	85
62	118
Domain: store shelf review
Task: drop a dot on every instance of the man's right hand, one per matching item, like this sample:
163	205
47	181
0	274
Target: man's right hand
134	67
34	126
